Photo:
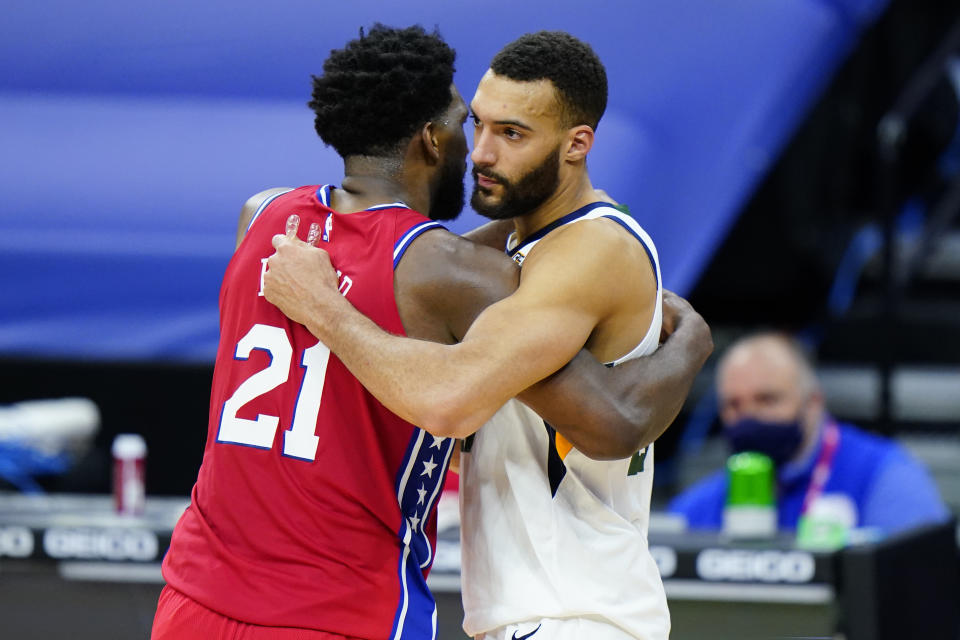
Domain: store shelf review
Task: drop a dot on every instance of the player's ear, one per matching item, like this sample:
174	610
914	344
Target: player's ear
429	142
579	143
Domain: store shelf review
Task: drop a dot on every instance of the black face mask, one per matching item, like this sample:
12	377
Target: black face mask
779	440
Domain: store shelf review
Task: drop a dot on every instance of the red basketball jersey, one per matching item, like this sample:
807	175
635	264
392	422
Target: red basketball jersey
315	506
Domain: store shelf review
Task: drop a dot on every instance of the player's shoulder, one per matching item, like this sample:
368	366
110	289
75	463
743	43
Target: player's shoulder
451	280
255	205
583	240
262	199
605	234
608	223
444	257
257	199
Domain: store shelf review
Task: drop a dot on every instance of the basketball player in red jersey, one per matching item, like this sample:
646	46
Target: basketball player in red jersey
314	512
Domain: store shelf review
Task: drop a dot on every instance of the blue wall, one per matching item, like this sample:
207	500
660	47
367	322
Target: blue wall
131	133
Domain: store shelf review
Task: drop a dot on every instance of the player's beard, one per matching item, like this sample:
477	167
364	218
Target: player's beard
521	196
447	202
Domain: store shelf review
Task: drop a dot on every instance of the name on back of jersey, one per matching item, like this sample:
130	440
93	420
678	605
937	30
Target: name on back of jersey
346	282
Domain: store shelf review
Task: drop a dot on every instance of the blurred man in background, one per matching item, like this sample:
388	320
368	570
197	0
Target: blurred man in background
770	402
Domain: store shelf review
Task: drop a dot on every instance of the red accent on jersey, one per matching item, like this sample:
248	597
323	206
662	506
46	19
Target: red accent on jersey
283	540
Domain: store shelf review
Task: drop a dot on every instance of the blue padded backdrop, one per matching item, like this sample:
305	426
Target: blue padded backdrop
132	132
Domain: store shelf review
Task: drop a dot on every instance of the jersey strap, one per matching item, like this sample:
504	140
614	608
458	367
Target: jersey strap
409	236
263	205
643	239
323	194
559	222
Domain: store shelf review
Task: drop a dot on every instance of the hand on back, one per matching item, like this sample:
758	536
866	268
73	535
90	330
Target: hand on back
299	275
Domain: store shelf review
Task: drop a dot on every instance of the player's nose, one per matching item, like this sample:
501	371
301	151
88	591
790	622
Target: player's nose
483	154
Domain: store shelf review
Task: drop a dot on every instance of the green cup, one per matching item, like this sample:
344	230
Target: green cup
750	511
751	480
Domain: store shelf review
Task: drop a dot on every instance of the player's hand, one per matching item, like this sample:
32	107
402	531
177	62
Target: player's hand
673	308
299	277
677	312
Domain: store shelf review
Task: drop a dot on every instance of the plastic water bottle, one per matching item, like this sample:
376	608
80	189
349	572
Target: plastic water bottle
129	473
751	509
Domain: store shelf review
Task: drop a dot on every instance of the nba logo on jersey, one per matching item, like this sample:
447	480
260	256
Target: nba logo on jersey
327	227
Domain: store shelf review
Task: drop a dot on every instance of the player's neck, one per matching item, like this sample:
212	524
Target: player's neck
368	182
569	196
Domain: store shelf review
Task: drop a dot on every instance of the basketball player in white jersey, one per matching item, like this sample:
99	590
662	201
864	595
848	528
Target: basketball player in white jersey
554	541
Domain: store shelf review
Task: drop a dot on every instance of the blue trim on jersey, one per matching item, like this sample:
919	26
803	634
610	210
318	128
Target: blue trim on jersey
414	444
444	447
403	605
393	205
263	205
559	222
416	614
323	195
404	242
653	262
418	485
421	473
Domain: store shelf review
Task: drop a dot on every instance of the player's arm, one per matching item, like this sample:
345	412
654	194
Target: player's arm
604	412
250	208
451	390
493	234
611	412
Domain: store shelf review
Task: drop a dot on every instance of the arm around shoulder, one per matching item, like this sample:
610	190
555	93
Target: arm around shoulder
493	234
446	281
448	390
612	412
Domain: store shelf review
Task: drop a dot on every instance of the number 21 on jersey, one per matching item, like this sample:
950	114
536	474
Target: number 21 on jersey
300	440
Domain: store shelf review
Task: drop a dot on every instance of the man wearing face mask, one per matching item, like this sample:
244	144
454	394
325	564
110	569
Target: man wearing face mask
771	402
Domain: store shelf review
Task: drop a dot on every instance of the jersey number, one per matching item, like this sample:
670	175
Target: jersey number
300	440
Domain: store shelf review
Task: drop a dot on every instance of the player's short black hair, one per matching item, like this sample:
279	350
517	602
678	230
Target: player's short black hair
570	64
380	88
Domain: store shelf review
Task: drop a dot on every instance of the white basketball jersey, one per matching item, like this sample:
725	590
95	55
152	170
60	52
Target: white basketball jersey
546	531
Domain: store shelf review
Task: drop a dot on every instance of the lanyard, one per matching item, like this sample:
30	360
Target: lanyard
821	470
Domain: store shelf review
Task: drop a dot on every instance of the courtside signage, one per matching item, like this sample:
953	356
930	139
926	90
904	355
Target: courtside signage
739	565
